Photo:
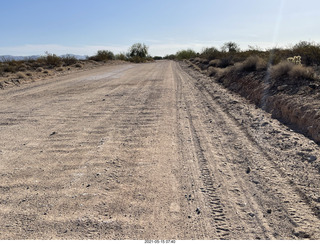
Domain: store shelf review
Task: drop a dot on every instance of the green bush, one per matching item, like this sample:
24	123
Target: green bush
102	55
210	53
121	56
185	54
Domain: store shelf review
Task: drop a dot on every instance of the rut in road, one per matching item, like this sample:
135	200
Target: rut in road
150	151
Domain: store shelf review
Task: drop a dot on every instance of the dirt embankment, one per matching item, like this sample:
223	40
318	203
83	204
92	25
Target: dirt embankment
293	101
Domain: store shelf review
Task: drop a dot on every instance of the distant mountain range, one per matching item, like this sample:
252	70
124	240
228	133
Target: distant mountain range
17	58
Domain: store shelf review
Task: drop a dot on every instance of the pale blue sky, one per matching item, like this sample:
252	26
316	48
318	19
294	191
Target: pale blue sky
82	27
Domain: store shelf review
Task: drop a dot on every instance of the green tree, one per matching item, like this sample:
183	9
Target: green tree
230	47
138	50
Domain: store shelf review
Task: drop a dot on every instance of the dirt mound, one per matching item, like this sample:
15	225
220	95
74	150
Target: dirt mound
293	101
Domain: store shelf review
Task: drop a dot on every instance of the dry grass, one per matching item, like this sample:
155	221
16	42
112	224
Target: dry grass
286	68
281	69
59	69
21	75
301	72
214	72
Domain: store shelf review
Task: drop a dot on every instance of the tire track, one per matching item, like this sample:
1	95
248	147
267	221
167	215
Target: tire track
271	184
220	222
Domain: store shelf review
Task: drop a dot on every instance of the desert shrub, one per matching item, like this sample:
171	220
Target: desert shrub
68	60
252	63
39	69
21	75
103	55
170	57
50	60
185	54
137	59
121	56
309	52
28	74
59	69
23	69
78	65
215	63
226	61
301	72
157	58
9	68
214	71
210	53
281	69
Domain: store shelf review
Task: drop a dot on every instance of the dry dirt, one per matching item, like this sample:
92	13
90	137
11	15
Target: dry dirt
150	151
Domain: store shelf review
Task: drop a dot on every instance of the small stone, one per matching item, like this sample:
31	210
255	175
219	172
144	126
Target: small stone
88	185
269	211
198	211
251	215
53	133
312	158
189	217
248	170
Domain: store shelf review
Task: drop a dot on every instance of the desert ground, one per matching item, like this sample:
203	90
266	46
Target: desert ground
150	151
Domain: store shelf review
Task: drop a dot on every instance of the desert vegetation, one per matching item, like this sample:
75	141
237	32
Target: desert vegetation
282	81
301	61
16	71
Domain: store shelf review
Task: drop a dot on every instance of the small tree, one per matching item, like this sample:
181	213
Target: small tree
230	47
138	50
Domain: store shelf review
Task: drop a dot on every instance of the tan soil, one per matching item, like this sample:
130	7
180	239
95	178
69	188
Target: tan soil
8	79
150	151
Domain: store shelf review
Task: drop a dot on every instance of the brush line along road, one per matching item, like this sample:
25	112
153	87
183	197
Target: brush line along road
150	151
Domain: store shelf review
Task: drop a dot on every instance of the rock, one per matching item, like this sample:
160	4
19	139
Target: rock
198	211
53	133
301	234
312	158
251	215
269	211
248	170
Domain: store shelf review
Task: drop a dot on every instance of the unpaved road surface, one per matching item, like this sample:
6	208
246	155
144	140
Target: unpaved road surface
150	151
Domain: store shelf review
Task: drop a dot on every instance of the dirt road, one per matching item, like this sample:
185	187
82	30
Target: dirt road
150	151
